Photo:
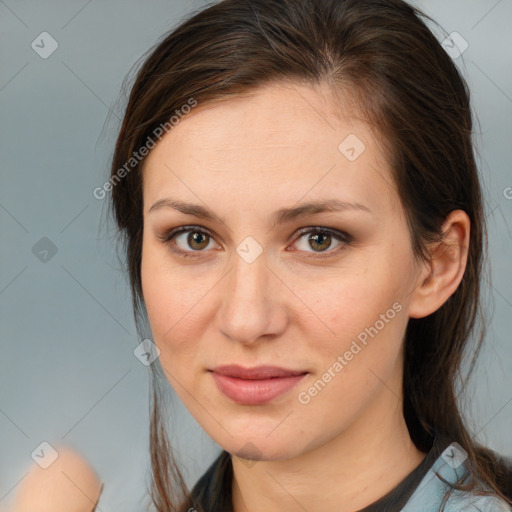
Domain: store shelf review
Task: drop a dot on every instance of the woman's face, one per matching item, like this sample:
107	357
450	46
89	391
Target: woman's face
251	287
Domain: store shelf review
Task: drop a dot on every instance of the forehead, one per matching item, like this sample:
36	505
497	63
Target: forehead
281	142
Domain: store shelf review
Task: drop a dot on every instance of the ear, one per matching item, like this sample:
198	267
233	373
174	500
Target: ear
442	275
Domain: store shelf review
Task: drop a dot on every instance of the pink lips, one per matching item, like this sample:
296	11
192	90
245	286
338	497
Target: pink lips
252	386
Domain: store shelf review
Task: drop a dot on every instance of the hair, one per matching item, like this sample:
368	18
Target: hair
385	59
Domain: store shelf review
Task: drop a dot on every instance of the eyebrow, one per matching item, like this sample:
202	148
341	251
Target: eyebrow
278	217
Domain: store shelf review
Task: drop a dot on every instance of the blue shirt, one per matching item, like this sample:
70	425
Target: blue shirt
430	493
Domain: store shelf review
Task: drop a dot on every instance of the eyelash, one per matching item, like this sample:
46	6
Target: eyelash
168	237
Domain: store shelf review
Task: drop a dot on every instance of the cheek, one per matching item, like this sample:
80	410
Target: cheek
363	319
346	304
367	319
175	301
160	283
164	306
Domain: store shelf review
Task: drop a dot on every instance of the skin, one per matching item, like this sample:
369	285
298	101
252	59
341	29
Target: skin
244	158
69	484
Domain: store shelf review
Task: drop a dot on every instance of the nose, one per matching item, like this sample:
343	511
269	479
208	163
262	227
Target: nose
253	302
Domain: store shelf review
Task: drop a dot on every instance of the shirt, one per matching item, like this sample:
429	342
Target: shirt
420	491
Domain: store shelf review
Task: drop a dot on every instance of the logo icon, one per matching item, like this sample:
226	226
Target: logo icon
44	45
454	455
455	45
44	250
249	249
351	147
44	455
146	352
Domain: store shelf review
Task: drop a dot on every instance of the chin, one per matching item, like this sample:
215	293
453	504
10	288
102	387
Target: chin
262	448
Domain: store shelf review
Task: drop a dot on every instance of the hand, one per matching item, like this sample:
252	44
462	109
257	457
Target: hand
68	485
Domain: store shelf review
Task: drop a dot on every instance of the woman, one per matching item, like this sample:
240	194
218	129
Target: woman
295	187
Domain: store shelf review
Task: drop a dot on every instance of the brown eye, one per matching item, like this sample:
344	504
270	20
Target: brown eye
321	239
187	240
196	240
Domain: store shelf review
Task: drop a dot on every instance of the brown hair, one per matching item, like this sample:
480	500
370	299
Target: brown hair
407	87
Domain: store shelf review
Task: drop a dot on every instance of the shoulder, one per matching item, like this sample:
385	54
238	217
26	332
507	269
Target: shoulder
473	503
436	493
441	498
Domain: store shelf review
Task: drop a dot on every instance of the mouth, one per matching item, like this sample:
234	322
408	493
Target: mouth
258	385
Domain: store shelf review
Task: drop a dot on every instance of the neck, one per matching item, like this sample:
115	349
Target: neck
347	473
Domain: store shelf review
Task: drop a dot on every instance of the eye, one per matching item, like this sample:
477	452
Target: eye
320	239
197	239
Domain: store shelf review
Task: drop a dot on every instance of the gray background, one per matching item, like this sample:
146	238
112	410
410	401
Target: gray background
67	371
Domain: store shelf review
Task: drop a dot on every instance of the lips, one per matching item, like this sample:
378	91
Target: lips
257	385
258	372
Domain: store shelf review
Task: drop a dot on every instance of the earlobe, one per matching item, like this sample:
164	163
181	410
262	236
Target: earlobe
443	273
